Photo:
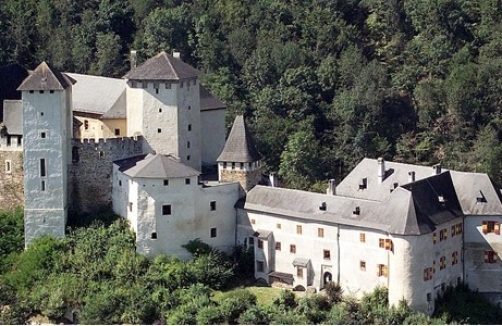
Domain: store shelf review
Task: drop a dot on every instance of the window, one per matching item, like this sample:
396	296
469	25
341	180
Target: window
120	183
189	107
212	205
299	272
454	258
43	167
187	181
41	114
326	254
382	270
362	237
278	225
188	144
443	235
292	249
43	135
260	266
133	84
101	154
278	246
188	157
251	241
160	110
166	209
156	85
156	91
166	182
242	166
491	227
442	263
434	238
299	229
362	265
117	132
260	244
86	124
429	297
453	231
426	274
51	91
8	166
42	185
458	228
168	85
233	166
189	127
490	257
320	232
41	92
213	232
385	243
181	84
130	207
159	130
154	235
253	221
31	92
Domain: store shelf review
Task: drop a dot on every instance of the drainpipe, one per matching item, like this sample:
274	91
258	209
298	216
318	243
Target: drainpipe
338	255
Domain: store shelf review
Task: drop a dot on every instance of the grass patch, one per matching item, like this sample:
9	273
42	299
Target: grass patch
264	295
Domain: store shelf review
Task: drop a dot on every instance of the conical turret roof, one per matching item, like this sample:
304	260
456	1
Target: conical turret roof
163	67
240	146
45	78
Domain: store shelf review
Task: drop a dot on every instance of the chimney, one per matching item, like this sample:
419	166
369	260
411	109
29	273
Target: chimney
177	55
411	176
273	180
437	169
381	170
331	187
134	59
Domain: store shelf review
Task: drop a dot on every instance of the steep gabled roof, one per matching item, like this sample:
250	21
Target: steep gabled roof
13	116
477	193
156	166
163	67
240	146
208	101
45	78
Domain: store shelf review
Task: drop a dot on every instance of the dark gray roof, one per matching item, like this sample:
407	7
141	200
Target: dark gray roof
45	78
303	262
163	67
395	174
416	208
262	234
208	101
240	146
156	166
96	94
13	116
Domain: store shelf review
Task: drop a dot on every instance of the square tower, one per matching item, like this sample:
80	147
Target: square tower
47	129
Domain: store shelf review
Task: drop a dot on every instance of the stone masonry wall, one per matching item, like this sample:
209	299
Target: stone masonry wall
11	184
90	175
247	179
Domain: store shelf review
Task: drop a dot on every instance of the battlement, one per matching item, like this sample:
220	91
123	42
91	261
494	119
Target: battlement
11	143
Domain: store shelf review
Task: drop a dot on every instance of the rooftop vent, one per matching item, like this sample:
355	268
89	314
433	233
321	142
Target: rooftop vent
395	185
411	176
322	207
363	184
381	170
331	187
436	169
357	211
480	198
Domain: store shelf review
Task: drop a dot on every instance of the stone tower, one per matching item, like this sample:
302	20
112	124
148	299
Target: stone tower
163	97
240	161
47	126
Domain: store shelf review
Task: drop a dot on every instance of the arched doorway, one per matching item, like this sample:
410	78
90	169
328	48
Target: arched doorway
327	278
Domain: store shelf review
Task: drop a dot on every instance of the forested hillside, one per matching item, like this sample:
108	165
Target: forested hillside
323	82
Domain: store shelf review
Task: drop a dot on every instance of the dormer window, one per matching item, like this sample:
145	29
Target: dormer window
357	211
481	197
322	207
363	184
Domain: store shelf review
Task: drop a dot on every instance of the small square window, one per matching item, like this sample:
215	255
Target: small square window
42	114
8	166
120	183
51	91
166	209
292	249
278	246
43	135
320	232
117	132
213	233
188	157
144	84
260	244
326	254
101	154
160	110
253	221
41	92
362	237
31	91
299	272
156	91
187	181
362	265
299	229
188	144
212	205
159	130
168	85
190	127
429	297
279	225
251	241
189	107
166	182
154	235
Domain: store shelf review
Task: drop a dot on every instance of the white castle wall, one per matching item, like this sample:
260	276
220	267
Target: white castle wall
213	134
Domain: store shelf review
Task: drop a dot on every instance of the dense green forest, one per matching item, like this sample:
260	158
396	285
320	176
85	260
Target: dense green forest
323	83
96	273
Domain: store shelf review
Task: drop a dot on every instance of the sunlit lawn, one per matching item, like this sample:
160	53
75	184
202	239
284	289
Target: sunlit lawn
264	295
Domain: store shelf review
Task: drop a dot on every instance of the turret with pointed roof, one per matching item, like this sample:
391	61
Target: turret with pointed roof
240	161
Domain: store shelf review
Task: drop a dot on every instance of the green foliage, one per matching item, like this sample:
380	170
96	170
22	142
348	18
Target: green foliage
12	230
334	292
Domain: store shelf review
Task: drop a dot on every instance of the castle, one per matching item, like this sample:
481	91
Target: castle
139	144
